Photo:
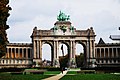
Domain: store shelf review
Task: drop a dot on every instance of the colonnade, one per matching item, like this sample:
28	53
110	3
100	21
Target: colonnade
22	52
106	55
17	55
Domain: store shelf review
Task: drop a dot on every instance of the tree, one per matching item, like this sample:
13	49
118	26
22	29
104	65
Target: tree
4	9
80	60
63	61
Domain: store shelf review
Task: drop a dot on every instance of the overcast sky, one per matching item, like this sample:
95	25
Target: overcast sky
102	15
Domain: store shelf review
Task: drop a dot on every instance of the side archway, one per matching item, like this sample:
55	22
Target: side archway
80	54
47	53
63	54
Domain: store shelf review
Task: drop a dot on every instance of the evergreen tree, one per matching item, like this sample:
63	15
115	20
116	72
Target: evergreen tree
4	9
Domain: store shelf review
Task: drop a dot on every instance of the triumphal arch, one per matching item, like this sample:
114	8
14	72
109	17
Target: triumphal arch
64	32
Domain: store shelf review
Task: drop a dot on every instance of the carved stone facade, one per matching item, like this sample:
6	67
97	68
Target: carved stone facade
64	32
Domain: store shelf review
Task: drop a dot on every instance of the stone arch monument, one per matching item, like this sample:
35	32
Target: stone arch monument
64	32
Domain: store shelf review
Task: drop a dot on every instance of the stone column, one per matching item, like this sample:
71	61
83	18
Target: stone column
117	53
87	54
70	49
74	50
104	52
57	53
108	53
93	49
8	53
72	59
73	54
18	52
54	49
30	53
27	53
93	60
34	46
54	55
15	53
40	51
15	61
57	48
37	49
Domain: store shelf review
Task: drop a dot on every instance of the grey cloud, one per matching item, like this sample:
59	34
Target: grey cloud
42	13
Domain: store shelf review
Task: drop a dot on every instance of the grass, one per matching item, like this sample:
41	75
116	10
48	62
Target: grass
8	76
91	77
28	76
52	72
71	75
72	72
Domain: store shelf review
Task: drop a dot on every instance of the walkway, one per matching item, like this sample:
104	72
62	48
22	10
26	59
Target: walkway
56	77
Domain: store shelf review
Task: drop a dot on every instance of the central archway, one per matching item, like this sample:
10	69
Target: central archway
63	54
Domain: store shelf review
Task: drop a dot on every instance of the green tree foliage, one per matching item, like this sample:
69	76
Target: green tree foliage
4	9
80	60
63	61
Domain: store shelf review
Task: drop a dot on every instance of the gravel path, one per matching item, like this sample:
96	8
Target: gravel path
56	77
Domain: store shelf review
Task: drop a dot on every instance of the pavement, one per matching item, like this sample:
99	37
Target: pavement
56	77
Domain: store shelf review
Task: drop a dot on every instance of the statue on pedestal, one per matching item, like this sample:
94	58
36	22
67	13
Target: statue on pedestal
63	17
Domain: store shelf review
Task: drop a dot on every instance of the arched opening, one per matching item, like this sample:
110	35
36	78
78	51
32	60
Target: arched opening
46	55
79	49
80	55
63	55
63	50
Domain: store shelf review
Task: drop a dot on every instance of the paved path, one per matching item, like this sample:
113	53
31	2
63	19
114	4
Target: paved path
56	77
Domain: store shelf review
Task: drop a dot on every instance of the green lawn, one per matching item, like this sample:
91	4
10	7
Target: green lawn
91	77
7	76
52	72
28	76
72	72
71	75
